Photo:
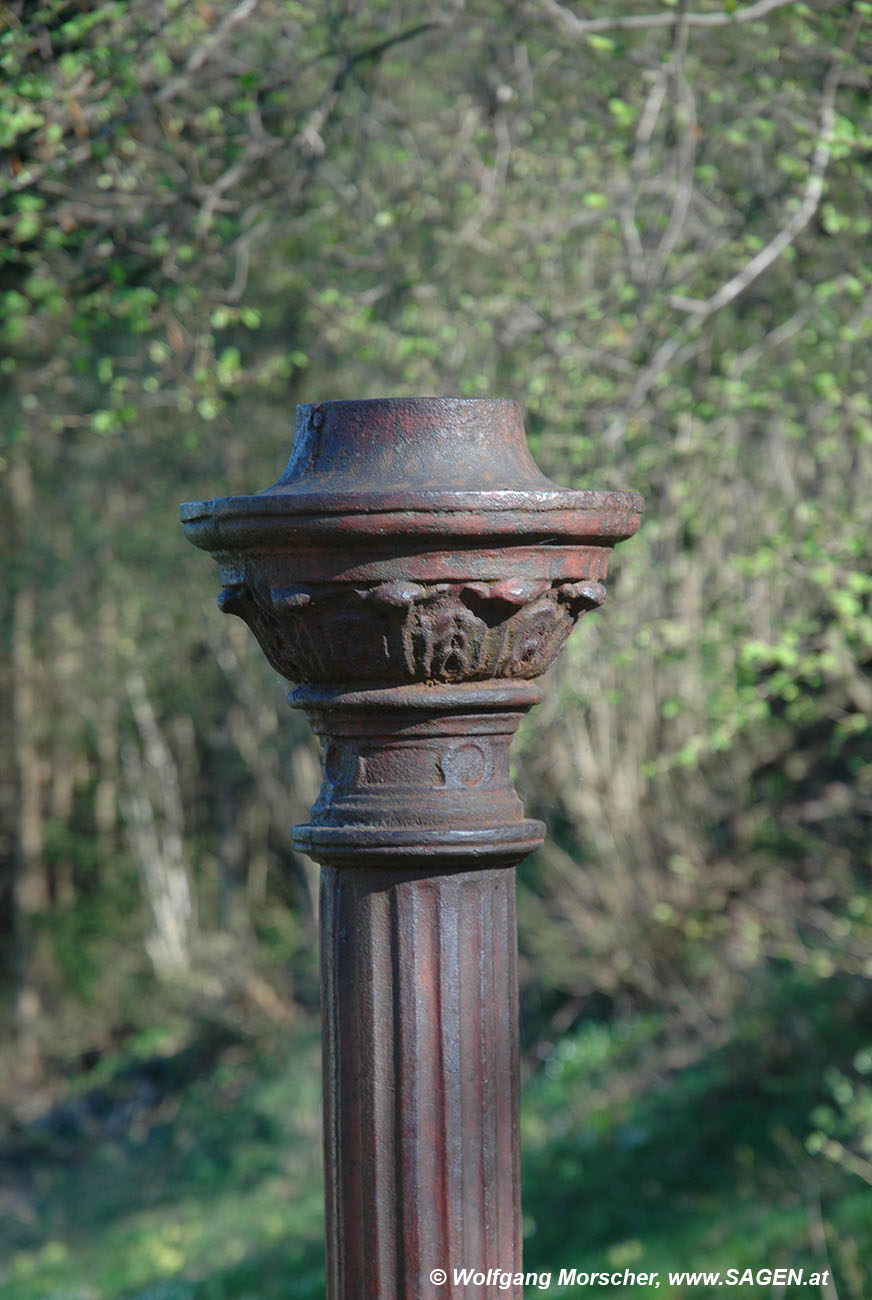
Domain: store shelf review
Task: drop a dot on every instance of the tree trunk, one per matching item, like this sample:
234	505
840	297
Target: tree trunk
30	888
156	827
108	745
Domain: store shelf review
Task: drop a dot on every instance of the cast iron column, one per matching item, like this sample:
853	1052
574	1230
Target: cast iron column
414	572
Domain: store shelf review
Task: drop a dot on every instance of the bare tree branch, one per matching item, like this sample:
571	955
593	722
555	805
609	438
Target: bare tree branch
198	56
702	310
491	182
309	137
627	206
802	216
646	267
255	151
781	334
575	26
684	117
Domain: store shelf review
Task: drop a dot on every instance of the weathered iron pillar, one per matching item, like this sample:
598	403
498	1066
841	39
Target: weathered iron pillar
413	572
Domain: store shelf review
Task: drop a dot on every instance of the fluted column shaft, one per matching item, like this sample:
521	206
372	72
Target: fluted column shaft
421	1081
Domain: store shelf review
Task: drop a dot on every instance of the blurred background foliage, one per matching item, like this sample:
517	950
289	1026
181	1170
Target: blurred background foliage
650	224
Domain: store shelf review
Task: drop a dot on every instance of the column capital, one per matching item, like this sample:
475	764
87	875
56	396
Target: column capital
413	571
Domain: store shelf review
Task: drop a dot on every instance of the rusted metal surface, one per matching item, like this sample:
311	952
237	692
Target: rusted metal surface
412	571
421	1072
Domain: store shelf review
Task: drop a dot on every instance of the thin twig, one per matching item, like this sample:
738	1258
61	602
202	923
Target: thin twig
818	1234
627	207
198	56
255	151
575	26
492	181
781	334
684	116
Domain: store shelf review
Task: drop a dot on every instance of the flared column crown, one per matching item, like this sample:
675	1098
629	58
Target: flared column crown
412	571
